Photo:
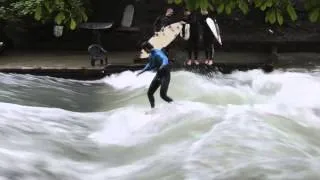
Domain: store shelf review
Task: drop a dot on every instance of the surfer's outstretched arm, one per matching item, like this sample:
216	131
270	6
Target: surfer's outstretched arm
146	68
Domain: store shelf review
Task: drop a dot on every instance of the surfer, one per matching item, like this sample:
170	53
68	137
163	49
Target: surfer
159	62
193	41
208	41
162	21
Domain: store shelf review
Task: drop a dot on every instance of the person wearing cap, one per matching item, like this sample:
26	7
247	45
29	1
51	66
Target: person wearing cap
158	62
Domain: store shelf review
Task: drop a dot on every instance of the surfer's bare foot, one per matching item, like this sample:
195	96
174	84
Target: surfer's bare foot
196	62
210	62
189	62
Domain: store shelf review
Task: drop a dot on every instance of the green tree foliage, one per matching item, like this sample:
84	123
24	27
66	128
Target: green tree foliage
66	12
72	12
276	11
313	7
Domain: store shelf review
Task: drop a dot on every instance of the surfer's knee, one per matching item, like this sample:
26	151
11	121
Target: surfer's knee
149	93
164	96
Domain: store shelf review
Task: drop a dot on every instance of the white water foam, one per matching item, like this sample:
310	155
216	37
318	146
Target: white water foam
131	125
129	80
246	125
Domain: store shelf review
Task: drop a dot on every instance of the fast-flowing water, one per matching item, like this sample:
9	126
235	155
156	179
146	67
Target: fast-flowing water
245	125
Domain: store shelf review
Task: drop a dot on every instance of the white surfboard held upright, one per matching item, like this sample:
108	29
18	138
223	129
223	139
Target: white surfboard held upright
164	37
214	27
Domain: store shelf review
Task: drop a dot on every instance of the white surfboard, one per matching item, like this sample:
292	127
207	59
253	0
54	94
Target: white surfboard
214	27
186	32
164	37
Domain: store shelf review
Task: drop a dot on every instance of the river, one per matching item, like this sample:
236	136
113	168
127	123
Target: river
244	125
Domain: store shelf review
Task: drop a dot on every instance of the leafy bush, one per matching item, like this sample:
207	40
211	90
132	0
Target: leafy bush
66	12
275	10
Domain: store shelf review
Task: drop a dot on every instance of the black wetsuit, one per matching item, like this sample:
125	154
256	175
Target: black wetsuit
159	62
208	38
193	41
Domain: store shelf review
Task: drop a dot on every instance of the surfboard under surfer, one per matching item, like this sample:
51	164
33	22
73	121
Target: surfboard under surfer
158	62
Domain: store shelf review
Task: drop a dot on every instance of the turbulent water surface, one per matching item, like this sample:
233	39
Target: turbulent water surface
245	125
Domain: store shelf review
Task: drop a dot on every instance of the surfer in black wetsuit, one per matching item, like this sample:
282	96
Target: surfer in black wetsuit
208	37
162	21
192	18
157	61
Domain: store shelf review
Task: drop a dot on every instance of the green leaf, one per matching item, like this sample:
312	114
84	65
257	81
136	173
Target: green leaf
57	2
266	18
197	5
273	17
170	1
314	15
84	16
210	7
38	13
228	9
178	1
243	7
59	18
220	8
47	5
292	12
205	4
269	3
279	17
73	24
201	4
258	3
263	7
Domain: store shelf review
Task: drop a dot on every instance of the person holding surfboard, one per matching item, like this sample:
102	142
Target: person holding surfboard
208	38
159	62
192	18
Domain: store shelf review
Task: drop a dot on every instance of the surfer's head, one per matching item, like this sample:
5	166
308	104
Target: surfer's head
147	46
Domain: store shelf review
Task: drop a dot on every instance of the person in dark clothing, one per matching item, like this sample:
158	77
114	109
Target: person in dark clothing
162	21
208	37
157	61
192	18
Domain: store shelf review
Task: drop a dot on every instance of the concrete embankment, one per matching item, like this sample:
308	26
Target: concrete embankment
76	65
